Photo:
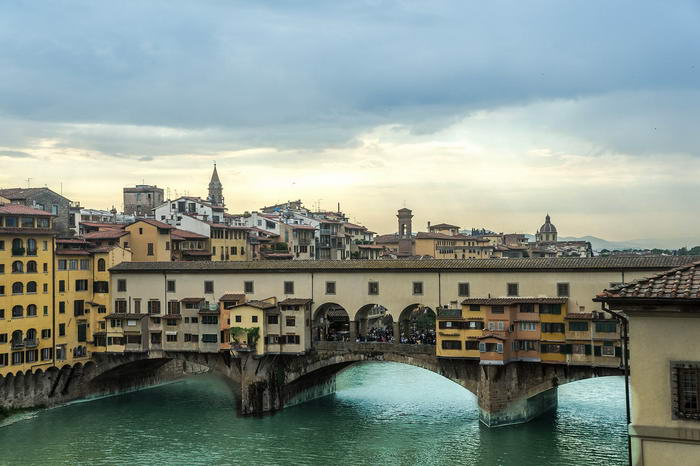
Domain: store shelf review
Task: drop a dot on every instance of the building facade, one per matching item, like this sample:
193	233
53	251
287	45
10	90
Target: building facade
142	199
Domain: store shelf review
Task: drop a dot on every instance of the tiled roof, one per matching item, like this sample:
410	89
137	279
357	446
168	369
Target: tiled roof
303	227
258	304
155	223
580	315
679	283
19	209
651	263
184	234
441	226
70	241
105	234
72	252
513	300
27	231
24	193
104	225
353	226
240	297
390	238
126	316
295	301
192	300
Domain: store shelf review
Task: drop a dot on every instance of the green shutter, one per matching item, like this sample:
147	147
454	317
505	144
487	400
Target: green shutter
596	351
618	352
588	349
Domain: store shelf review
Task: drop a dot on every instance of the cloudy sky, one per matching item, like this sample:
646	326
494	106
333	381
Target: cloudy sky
475	113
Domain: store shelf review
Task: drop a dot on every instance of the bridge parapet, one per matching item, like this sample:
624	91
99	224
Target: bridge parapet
346	346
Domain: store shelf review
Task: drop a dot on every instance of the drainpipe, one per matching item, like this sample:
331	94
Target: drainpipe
625	337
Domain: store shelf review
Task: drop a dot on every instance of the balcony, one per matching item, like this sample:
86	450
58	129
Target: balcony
31	343
450	313
18	251
31	252
17	344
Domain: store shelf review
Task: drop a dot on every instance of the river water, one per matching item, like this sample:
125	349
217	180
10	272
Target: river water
382	413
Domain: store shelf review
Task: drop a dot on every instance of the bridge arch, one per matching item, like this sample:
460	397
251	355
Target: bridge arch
374	322
417	324
331	322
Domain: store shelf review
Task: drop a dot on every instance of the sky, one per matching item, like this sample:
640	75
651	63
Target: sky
479	114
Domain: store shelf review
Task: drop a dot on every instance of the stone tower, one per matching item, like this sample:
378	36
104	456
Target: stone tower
405	233
216	189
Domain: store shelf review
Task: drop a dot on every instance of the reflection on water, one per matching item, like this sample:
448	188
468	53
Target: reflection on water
383	413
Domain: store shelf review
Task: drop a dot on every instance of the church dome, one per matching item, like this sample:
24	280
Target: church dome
548	227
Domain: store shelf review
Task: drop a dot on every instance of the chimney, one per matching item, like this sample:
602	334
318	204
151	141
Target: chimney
339	207
428	225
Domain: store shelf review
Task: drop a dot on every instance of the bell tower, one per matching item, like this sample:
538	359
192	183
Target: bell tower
405	232
216	189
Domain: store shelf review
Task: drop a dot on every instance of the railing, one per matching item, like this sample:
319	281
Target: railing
18	251
31	252
373	347
17	344
31	343
451	313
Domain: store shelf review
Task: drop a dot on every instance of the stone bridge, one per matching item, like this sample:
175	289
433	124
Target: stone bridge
509	394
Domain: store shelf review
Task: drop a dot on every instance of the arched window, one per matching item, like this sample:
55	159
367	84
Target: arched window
31	335
17	247
17	288
31	247
101	265
31	267
31	311
17	311
17	267
17	338
31	287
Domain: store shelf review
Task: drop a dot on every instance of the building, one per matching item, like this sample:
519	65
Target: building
547	233
216	189
547	245
662	313
452	246
142	199
149	241
43	199
27	331
406	241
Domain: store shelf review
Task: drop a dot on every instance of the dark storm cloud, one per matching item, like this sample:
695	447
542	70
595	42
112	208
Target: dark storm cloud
308	74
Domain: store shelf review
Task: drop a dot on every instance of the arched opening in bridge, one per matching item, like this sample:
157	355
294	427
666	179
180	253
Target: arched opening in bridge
373	323
331	322
417	325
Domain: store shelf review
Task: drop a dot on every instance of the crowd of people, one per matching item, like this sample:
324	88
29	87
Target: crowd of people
419	338
377	335
386	335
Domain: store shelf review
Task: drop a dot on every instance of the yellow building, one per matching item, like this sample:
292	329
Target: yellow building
663	318
26	288
458	331
247	330
229	243
149	241
442	246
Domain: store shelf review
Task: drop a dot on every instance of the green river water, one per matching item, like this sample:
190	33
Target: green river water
382	413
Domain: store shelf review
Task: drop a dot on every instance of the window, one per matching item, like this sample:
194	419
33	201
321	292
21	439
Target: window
208	287
373	288
474	307
209	338
417	288
578	348
31	310
3	359
563	290
210	320
238	319
46	333
100	287
62	307
471	345
45	287
73	264
685	388
61	330
18	357
17	311
46	354
451	345
101	266
17	288
173	307
84	264
248	287
31	287
54	209
2	313
120	306
17	267
171	286
288	287
527	307
46	268
254	319
121	284
550	308
527	326
498	309
150	249
3	337
154	306
78	307
271	319
62	264
463	289
606	327
81	285
549	327
290	321
171	337
2	245
608	348
578	326
330	287
512	289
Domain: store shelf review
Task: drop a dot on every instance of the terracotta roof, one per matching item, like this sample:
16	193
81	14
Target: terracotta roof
353	226
680	283
599	263
491	335
101	249
70	241
126	316
23	193
155	223
258	304
192	300
19	209
580	315
295	301
443	225
185	235
303	227
390	238
104	225
105	234
514	300
240	297
370	246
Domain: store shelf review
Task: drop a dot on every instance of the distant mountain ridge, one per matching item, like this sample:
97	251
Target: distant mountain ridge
647	243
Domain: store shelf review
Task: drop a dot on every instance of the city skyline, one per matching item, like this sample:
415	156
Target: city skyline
446	110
